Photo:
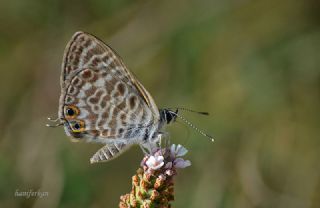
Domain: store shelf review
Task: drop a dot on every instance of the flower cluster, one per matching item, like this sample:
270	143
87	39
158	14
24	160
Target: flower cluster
153	184
168	159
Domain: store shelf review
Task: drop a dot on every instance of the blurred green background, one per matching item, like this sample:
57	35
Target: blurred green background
254	65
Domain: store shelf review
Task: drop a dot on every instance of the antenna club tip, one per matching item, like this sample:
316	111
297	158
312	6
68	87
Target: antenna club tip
212	139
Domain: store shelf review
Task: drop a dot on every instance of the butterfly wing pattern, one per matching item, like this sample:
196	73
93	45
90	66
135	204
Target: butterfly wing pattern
102	101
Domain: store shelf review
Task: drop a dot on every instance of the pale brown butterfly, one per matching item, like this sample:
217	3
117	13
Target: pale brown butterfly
102	101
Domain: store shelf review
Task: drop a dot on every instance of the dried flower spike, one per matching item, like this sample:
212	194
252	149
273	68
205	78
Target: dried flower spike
153	184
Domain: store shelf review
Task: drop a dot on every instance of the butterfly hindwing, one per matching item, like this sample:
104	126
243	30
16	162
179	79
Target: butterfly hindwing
107	107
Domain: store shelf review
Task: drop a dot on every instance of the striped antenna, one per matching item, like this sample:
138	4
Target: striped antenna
192	111
193	126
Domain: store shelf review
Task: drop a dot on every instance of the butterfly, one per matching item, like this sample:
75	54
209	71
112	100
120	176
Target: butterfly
102	101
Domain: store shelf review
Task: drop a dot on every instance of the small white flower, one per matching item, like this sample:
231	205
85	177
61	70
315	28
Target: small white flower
155	162
181	163
177	151
181	151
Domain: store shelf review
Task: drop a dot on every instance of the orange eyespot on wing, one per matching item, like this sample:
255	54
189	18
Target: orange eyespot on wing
77	126
71	111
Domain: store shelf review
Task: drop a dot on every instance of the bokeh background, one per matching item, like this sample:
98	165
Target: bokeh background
254	65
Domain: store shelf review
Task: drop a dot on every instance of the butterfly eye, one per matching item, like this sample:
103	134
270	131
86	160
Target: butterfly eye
77	126
71	111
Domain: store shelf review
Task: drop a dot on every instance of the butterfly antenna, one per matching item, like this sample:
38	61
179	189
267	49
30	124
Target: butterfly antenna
60	122
193	111
193	126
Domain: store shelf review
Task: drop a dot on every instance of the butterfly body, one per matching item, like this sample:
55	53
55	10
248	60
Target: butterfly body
101	100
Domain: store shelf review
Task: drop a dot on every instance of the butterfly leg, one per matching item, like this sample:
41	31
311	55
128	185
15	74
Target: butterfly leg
164	140
149	147
109	152
144	150
152	145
